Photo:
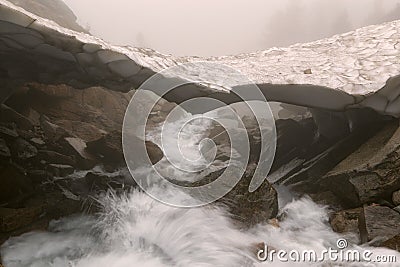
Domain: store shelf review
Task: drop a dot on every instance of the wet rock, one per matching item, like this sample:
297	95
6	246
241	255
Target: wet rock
327	198
8	132
292	139
392	243
22	215
60	170
396	198
95	106
78	147
109	149
397	209
12	219
52	132
253	208
13	183
38	176
370	173
9	115
4	150
54	203
96	182
288	111
382	223
53	157
154	152
331	125
102	182
53	91
320	158
346	221
37	141
27	135
247	209
86	131
33	115
23	150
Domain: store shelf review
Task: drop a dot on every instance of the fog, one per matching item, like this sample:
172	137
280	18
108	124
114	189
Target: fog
222	27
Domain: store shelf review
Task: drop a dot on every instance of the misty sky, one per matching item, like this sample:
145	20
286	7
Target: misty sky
222	27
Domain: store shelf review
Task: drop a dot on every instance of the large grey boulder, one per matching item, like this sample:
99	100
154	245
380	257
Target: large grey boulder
381	223
396	198
4	150
370	173
246	208
346	221
88	114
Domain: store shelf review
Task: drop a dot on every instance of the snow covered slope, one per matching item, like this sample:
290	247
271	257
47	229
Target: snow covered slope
356	69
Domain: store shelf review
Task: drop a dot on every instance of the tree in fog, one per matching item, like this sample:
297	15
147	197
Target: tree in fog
286	26
378	15
342	22
393	14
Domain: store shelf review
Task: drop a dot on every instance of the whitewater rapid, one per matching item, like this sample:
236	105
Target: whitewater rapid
135	230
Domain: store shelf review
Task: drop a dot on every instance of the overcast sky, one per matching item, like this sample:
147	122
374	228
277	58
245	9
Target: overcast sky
221	27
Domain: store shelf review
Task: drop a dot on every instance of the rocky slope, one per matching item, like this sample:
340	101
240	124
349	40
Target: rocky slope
44	141
61	146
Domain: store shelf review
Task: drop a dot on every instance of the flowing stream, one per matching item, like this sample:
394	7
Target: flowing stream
135	230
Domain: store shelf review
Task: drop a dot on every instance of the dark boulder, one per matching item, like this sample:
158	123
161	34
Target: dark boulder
393	243
23	150
38	142
292	139
12	219
154	152
13	183
77	147
9	115
396	198
4	150
52	132
39	176
109	149
370	173
60	170
382	223
247	208
86	131
53	157
346	221
8	132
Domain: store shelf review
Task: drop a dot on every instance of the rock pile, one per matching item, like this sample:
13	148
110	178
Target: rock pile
51	137
357	176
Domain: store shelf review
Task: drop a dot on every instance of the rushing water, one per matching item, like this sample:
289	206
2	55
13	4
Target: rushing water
134	230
